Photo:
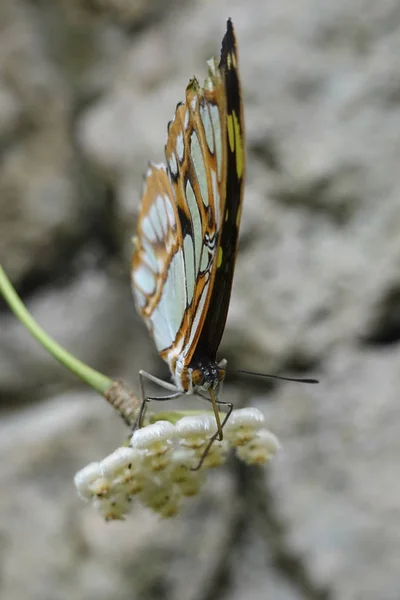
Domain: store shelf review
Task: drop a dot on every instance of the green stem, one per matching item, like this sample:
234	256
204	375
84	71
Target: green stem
96	380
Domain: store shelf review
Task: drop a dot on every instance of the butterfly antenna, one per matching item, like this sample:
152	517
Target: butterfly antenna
267	375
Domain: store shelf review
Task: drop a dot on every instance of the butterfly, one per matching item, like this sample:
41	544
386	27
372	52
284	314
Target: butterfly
187	233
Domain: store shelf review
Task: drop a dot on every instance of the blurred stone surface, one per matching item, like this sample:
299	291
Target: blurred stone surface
86	91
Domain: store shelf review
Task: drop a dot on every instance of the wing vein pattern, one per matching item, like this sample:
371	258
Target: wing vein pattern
186	243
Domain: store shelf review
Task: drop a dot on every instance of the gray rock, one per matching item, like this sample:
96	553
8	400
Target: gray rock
86	91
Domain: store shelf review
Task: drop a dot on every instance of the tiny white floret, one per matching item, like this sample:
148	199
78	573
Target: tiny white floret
122	458
162	431
268	440
217	454
183	457
84	479
113	508
263	446
163	499
196	425
245	417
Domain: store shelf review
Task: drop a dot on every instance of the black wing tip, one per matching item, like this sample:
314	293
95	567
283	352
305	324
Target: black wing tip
228	42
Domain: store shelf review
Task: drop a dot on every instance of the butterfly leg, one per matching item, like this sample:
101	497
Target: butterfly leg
214	402
145	399
216	435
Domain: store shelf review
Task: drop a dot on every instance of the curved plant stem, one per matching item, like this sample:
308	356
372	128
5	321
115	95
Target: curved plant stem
96	380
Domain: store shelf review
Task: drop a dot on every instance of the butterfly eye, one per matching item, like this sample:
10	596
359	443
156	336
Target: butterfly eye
197	377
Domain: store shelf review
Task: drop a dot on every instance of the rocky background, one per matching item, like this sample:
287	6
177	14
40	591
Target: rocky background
86	90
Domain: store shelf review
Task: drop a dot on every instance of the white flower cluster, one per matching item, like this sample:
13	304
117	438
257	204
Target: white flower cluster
159	465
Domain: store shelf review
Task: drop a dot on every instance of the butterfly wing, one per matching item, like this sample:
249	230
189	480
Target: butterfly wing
231	191
177	233
195	154
158	268
184	255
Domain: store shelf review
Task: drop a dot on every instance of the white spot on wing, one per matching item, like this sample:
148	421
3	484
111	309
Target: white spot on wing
173	165
161	333
153	215
179	145
139	297
198	163
196	319
170	211
196	223
149	255
204	260
186	122
167	316
162	214
179	288
212	66
189	266
144	279
148	229
209	84
216	123
216	196
208	129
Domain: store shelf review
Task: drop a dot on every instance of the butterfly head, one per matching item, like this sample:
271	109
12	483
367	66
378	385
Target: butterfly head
206	375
